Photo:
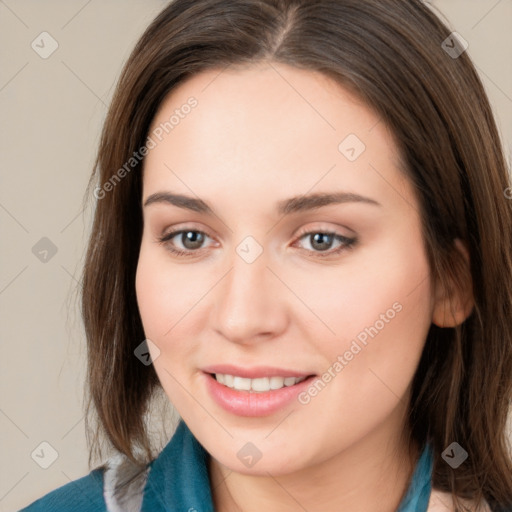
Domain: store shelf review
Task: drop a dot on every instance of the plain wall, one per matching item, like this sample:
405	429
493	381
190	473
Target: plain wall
52	111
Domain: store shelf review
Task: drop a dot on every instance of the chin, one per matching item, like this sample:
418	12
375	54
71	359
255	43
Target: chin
260	468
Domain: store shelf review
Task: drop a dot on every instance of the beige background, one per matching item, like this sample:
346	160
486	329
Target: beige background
52	111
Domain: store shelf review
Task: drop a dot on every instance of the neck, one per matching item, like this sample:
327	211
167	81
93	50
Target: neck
372	475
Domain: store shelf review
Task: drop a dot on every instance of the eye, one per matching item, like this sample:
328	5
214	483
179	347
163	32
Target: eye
191	240
322	241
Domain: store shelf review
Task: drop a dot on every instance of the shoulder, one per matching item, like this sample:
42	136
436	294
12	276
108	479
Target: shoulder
82	495
441	501
117	486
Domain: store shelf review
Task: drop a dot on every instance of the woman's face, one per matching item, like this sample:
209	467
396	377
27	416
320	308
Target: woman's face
276	281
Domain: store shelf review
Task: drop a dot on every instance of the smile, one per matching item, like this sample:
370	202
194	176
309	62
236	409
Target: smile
259	385
254	395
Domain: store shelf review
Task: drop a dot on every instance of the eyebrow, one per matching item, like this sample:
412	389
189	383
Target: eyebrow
285	207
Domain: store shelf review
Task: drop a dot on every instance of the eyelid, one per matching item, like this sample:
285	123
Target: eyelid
168	235
303	231
185	227
350	240
324	228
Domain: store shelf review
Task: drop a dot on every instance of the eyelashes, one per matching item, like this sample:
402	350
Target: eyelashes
166	240
346	243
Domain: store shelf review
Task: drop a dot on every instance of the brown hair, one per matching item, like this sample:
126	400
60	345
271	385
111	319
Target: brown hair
389	53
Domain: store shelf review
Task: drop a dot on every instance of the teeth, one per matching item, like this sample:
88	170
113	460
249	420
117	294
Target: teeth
242	384
258	385
276	382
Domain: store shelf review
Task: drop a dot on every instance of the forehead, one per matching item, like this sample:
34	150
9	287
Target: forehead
264	125
248	97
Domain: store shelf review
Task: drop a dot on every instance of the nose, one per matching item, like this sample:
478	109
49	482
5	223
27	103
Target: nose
251	302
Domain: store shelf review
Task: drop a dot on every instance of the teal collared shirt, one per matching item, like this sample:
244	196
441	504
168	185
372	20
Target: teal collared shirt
178	480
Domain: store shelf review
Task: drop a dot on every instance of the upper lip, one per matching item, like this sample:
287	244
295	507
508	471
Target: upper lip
254	372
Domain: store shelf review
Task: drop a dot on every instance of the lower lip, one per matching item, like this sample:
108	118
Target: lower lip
245	403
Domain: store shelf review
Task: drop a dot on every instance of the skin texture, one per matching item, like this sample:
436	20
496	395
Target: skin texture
261	134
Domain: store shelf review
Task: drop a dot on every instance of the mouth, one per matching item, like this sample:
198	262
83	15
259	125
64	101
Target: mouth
257	392
257	385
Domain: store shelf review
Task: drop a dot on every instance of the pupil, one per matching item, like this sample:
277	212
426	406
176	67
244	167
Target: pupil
318	238
194	237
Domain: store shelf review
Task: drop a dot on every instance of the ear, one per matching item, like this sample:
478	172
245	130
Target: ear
453	304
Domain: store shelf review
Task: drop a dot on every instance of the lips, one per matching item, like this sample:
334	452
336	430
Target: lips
254	402
254	372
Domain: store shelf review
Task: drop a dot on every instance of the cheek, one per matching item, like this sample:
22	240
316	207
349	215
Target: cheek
152	294
162	303
171	300
379	291
380	310
164	293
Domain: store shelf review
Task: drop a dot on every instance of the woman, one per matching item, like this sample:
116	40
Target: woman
303	236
